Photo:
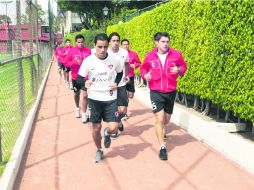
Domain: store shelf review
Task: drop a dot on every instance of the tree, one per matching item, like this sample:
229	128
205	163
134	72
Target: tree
57	21
90	12
3	18
41	15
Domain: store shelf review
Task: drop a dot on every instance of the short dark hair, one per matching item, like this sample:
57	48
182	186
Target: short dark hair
102	37
67	40
113	34
79	36
125	40
158	36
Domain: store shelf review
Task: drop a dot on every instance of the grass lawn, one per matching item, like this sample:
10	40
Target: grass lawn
10	121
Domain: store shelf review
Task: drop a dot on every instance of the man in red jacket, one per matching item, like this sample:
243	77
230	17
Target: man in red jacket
60	59
134	63
66	49
74	59
161	68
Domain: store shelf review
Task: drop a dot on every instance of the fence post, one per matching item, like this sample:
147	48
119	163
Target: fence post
31	48
20	68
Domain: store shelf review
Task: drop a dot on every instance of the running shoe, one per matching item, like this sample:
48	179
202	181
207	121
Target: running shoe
84	118
77	113
115	136
71	86
107	139
163	153
120	126
98	156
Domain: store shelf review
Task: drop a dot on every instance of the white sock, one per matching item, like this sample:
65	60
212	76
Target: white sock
106	132
162	146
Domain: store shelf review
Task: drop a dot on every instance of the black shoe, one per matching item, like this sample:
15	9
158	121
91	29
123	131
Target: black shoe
115	136
163	154
107	139
120	126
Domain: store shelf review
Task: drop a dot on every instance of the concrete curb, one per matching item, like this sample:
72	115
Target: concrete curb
208	131
8	178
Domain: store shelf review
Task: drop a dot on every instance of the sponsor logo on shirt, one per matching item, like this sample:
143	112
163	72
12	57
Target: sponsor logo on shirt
110	66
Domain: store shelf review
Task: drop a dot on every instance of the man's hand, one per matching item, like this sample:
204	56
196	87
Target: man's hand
79	62
175	70
113	86
88	83
132	66
148	76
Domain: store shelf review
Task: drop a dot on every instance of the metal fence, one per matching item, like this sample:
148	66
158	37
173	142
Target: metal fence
23	63
140	11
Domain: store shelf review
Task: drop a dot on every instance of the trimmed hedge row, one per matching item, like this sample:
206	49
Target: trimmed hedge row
88	34
216	39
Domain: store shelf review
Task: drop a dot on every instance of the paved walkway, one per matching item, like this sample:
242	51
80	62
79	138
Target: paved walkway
60	152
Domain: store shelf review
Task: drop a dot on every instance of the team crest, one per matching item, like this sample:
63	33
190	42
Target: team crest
117	114
110	66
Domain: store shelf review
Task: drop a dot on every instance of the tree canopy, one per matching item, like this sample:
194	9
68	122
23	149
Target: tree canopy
91	14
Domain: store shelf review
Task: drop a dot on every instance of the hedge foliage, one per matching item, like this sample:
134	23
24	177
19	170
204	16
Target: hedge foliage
88	34
216	39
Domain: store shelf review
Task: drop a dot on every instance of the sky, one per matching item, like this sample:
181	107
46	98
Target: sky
10	8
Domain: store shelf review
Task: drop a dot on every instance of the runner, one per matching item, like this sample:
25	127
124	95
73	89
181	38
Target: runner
122	98
100	70
134	62
66	49
58	52
73	59
161	68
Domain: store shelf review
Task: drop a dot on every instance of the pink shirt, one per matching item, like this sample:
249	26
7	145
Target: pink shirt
66	49
74	58
59	54
133	59
162	80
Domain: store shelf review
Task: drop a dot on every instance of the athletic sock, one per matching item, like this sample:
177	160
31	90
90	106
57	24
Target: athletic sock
106	132
162	146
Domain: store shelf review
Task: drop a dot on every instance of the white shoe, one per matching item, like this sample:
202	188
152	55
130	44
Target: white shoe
70	85
84	118
77	113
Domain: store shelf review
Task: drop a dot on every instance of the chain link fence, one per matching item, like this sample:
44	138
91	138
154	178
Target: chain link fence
23	63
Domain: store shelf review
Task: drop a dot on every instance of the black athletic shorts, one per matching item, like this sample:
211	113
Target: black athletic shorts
77	87
130	85
122	97
106	110
67	69
161	101
61	66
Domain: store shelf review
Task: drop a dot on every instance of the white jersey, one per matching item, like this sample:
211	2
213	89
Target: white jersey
93	51
102	73
124	56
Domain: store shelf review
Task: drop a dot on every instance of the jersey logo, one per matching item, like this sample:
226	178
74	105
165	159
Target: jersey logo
117	114
110	66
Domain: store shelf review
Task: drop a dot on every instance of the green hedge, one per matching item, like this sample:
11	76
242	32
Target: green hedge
88	34
216	39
